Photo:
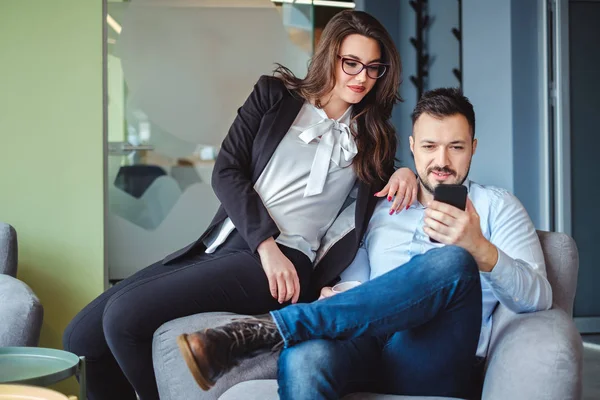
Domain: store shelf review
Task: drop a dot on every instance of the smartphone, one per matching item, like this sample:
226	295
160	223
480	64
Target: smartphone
455	195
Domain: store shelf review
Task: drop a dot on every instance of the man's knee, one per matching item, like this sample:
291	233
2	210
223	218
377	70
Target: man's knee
455	260
462	259
305	359
305	371
304	363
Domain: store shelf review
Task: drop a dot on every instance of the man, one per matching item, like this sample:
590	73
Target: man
420	323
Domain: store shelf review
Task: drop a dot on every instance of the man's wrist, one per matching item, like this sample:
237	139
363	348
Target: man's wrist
486	255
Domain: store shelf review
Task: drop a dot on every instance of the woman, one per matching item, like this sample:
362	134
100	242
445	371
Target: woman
284	172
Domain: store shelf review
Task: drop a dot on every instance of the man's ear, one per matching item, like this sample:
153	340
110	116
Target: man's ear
411	143
474	147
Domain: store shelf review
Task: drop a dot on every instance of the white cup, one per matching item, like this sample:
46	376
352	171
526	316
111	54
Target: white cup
343	286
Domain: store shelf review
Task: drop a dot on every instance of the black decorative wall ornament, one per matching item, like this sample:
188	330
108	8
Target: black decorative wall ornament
423	22
457	32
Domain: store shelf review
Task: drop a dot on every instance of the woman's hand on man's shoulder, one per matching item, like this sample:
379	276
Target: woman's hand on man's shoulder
401	188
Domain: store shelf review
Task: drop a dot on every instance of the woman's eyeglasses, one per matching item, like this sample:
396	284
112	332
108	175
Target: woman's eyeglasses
354	67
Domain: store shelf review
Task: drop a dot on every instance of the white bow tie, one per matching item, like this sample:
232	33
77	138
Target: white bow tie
337	145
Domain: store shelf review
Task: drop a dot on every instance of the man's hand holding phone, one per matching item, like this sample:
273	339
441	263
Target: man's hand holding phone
452	226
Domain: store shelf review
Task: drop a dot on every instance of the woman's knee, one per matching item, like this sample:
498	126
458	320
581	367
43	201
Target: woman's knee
128	315
117	316
84	337
72	338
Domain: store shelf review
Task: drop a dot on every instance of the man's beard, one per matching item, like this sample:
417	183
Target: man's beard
427	185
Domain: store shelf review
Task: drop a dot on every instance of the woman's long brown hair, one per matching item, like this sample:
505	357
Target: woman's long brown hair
375	136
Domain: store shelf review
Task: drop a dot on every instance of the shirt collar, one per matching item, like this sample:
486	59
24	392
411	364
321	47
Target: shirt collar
344	118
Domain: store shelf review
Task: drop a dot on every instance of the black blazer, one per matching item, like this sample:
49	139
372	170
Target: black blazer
259	127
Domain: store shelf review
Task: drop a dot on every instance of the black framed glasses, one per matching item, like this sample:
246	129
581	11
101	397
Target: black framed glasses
354	67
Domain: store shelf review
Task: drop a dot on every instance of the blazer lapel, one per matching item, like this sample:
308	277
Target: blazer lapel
286	114
362	203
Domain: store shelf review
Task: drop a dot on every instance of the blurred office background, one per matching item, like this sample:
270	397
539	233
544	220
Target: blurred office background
112	112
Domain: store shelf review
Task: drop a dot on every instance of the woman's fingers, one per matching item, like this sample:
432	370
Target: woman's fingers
281	274
393	188
405	202
273	286
281	289
405	196
296	295
384	191
289	287
400	198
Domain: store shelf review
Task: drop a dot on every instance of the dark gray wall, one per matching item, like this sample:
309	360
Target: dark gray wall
584	49
526	106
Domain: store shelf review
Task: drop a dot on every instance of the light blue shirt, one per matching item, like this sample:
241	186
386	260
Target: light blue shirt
518	280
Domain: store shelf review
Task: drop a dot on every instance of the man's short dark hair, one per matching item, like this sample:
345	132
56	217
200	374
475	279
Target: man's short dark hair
445	102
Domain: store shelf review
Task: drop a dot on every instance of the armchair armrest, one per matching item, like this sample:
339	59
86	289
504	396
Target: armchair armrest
533	356
21	313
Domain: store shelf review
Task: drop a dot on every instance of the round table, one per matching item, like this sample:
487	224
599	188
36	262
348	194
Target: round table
40	366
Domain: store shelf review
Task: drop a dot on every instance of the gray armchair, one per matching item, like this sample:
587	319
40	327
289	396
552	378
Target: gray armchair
535	356
20	310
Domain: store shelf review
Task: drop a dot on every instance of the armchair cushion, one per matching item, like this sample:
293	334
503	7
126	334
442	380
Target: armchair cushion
267	390
533	356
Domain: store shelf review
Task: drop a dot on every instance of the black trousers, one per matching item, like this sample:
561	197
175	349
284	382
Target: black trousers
114	332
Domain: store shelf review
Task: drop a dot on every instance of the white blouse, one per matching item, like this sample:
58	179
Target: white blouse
306	182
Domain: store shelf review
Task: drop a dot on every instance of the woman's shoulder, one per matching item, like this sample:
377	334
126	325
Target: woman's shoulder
271	83
274	89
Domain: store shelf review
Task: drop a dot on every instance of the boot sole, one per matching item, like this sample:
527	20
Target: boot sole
190	360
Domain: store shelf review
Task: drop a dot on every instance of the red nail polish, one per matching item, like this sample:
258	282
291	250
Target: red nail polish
389	198
391	212
408	206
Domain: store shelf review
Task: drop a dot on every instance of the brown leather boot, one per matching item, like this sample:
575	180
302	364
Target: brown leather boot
211	353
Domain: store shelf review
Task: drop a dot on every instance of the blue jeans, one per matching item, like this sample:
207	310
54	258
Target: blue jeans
412	331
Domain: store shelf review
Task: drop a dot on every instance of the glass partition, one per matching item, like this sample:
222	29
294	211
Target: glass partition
177	71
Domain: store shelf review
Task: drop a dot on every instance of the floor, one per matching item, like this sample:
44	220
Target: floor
591	367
